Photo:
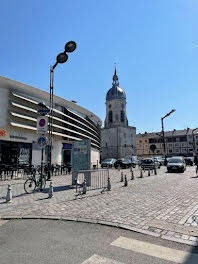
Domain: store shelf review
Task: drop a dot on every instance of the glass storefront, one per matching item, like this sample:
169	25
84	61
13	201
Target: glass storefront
15	153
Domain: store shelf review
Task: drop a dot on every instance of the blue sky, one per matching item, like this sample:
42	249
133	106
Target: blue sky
151	42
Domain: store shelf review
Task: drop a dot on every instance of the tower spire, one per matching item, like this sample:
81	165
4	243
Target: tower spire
115	77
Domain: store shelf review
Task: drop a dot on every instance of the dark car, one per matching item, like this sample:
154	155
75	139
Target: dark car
176	164
123	163
149	164
189	161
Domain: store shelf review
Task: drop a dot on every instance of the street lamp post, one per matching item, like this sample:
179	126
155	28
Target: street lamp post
61	58
163	135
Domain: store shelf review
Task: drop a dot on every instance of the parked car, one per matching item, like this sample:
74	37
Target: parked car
123	163
189	161
176	164
135	161
149	164
108	163
160	160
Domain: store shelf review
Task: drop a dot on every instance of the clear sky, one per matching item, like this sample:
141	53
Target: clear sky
153	43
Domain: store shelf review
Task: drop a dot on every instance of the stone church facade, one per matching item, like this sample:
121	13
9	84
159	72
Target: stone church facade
118	139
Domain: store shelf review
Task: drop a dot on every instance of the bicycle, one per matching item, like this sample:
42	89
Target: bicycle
31	184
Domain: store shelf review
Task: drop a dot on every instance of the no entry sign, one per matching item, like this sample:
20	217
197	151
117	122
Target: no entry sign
42	125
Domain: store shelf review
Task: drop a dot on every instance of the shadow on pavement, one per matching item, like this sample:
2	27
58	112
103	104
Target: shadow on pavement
192	259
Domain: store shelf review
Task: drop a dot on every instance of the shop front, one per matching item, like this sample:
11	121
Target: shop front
15	153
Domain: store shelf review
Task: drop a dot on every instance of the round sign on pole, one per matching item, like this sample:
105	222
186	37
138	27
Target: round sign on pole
152	148
42	142
42	122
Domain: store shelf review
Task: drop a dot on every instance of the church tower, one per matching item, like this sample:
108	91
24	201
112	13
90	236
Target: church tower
115	105
118	140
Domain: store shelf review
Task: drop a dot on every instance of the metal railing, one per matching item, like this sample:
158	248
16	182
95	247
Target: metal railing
16	171
87	180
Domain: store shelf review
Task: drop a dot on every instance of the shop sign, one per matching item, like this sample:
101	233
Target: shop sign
67	146
3	133
19	135
42	125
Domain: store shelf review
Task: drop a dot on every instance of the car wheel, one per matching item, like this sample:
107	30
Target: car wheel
168	170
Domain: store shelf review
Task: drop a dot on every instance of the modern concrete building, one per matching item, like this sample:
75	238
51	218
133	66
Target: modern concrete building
177	143
18	120
118	139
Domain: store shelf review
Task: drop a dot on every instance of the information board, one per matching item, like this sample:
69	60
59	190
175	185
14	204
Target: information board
81	155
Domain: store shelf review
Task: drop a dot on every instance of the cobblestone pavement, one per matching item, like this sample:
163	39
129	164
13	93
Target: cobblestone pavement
163	205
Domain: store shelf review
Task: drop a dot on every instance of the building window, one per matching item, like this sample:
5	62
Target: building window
110	117
122	116
146	141
177	144
170	151
157	151
140	141
177	150
183	139
170	145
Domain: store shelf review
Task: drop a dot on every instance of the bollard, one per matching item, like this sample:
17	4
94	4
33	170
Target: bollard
118	167
155	171
125	181
84	190
141	174
149	174
50	194
122	177
9	194
131	169
108	185
132	175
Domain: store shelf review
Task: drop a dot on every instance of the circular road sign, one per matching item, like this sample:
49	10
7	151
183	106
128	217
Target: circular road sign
152	147
42	122
42	142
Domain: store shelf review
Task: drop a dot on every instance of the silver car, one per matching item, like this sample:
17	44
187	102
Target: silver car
176	164
108	163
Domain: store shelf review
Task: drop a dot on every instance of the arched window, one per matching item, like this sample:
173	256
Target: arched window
110	117
122	116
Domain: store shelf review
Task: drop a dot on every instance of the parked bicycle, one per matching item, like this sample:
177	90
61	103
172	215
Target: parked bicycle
33	183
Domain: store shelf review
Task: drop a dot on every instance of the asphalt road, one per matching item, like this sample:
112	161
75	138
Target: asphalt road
50	242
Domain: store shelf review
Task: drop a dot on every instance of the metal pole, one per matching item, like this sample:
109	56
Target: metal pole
41	169
163	138
50	121
193	142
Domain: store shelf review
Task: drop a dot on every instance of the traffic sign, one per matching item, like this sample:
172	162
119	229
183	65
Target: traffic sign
152	148
42	142
42	125
43	111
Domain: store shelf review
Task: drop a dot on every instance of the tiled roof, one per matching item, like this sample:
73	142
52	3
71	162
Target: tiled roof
167	133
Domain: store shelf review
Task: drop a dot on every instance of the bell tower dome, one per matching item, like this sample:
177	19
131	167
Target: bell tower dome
115	105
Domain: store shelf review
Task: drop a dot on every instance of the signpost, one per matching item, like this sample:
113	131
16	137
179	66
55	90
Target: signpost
42	125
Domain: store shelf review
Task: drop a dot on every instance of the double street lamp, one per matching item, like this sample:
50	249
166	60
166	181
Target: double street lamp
163	136
61	58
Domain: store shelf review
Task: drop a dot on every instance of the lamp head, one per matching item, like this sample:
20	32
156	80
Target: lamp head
70	46
62	58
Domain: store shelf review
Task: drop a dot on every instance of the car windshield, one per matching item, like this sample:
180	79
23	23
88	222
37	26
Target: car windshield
175	161
147	161
107	160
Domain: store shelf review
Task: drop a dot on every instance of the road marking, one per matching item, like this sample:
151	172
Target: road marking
95	259
150	249
3	222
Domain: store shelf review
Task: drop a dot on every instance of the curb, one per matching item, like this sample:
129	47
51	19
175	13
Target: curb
102	222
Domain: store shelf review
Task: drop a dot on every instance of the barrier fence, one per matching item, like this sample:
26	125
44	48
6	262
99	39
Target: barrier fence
86	180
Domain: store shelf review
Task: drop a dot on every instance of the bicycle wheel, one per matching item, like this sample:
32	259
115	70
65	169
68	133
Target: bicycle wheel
30	186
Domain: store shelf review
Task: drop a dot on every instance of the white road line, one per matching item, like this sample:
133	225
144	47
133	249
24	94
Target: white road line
95	259
153	250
